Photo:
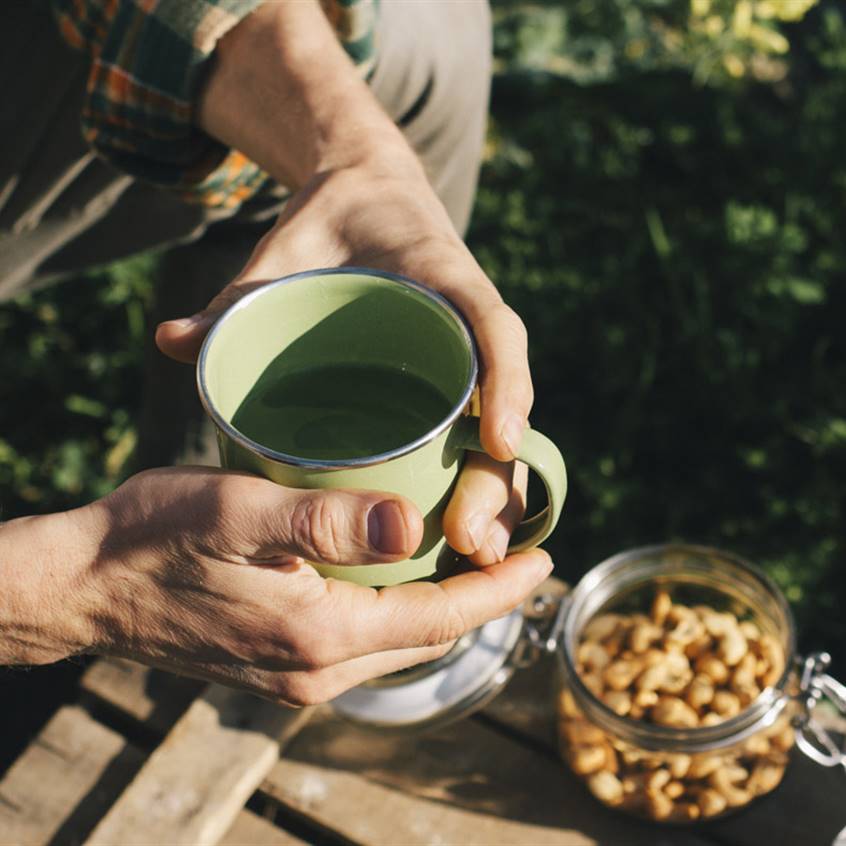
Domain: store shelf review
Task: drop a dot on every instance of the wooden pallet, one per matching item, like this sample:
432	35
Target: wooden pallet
145	757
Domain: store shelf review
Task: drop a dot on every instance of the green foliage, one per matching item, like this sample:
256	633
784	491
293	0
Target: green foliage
675	251
71	357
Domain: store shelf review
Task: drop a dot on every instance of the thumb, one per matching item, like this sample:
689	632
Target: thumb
181	339
340	526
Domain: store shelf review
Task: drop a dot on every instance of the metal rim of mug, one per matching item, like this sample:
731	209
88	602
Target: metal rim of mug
760	713
337	464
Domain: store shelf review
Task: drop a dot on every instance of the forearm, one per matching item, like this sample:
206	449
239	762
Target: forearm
45	607
283	92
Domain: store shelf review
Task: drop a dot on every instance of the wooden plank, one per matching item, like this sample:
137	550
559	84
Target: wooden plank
153	697
194	785
464	784
807	807
64	781
249	829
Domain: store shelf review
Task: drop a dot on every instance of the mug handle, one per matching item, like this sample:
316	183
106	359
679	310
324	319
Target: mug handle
541	454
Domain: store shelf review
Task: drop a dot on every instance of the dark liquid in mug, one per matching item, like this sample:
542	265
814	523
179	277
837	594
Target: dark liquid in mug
339	411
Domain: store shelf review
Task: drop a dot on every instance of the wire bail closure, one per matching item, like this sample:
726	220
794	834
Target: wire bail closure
815	684
544	622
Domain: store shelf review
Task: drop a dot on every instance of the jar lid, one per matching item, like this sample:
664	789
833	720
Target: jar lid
436	693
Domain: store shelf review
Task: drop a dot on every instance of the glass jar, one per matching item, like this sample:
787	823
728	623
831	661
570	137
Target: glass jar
662	749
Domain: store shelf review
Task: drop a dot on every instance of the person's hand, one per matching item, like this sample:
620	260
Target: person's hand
371	216
201	571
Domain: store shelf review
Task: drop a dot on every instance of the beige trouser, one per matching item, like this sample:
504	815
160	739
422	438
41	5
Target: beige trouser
62	209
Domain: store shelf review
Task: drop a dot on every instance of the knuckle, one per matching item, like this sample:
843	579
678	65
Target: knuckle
519	328
317	654
508	319
448	626
318	527
303	691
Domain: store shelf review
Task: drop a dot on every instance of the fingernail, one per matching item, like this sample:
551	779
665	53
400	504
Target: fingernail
498	541
191	322
545	567
512	433
386	530
477	528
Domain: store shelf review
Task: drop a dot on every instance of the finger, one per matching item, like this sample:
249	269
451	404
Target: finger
428	613
504	377
495	547
181	339
300	688
504	380
328	527
317	686
281	251
481	492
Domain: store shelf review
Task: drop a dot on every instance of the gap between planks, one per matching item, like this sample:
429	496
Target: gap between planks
72	772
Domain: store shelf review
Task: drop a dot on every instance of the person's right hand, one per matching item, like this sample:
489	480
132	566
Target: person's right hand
201	571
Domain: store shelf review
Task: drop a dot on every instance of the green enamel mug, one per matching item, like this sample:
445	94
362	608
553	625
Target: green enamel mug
366	318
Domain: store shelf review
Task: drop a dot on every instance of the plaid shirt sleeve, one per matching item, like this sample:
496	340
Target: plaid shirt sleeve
148	58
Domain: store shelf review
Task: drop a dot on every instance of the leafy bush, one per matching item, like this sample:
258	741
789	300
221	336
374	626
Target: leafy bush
674	248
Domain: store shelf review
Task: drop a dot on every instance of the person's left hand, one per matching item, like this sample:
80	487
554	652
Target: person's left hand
367	217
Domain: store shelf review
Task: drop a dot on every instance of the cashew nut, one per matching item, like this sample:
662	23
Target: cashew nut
688	627
711	802
703	765
593	682
567	704
619	701
699	646
756	746
679	764
670	675
672	711
724	781
674	789
592	656
582	733
643	635
661	606
743	679
660	805
711	666
732	646
645	698
772	653
766	776
621	673
726	703
606	787
587	759
602	627
700	692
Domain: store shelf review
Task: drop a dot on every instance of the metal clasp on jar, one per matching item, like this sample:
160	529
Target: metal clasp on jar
544	621
815	684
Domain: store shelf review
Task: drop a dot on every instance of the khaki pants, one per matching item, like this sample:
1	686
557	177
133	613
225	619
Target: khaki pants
62	209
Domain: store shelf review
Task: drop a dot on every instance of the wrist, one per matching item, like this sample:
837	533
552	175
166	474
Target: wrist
46	604
283	92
